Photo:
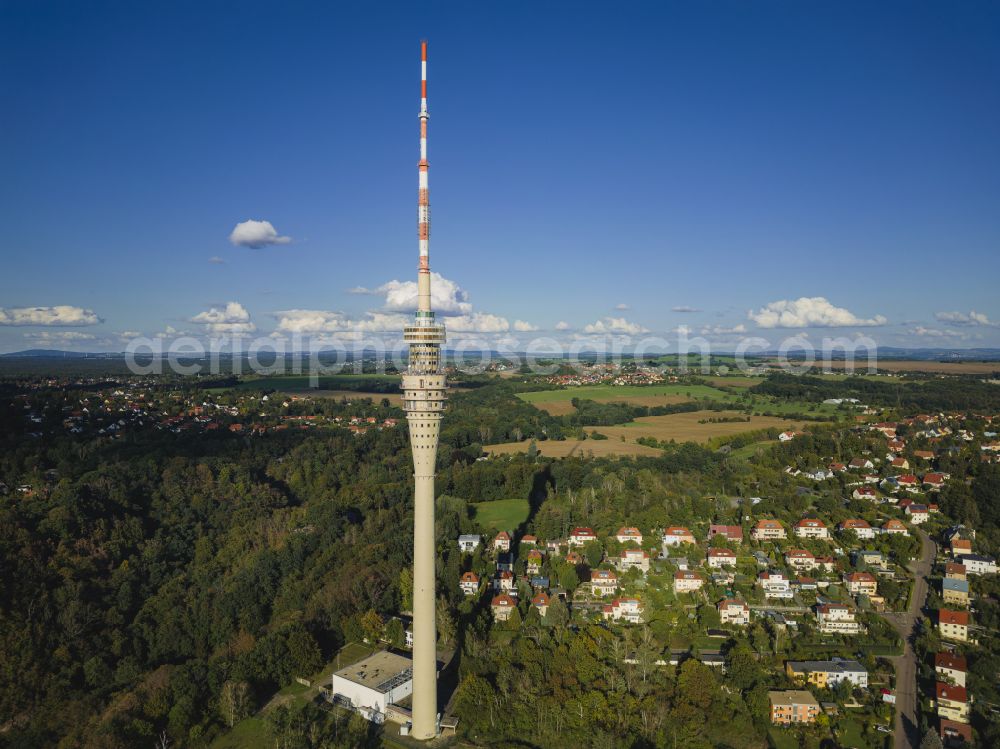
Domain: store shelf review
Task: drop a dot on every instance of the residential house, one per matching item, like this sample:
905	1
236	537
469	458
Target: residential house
800	559
625	535
860	527
861	583
718	558
895	526
924	454
826	563
733	611
505	562
774	584
787	436
504	582
502	542
633	558
950	668
733	533
909	482
865	492
954	625
917	514
955	591
837	619
861	464
581	535
469	583
976	564
676	535
793	706
954	571
960	547
828	674
867	556
468	543
574	558
767	530
954	734
686	582
934	481
502	607
627	609
603	582
541	602
811	528
534	561
901	464
952	702
529	540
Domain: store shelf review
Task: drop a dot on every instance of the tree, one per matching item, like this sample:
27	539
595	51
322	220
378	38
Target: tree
234	702
445	622
931	740
395	633
406	588
372	626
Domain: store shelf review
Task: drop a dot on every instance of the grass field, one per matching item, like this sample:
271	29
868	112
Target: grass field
749	451
501	514
739	381
577	448
686	427
558	402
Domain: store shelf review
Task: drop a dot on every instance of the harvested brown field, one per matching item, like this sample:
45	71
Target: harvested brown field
563	407
578	448
686	427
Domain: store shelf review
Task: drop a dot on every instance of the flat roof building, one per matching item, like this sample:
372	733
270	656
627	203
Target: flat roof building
373	683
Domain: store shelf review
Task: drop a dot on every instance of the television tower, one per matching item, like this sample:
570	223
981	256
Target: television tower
424	399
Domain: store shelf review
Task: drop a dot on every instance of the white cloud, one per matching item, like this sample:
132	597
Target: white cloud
171	332
127	335
62	314
304	321
610	325
923	332
447	297
809	312
256	234
959	318
233	318
723	330
684	308
478	322
622	307
524	327
563	325
63	336
361	290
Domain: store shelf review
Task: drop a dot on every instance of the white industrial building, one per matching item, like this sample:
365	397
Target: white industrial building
374	683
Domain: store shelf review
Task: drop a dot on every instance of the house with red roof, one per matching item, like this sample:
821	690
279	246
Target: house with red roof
603	582
676	535
767	530
581	535
718	558
624	535
686	581
730	532
502	607
861	583
469	583
860	527
894	526
865	492
811	528
953	625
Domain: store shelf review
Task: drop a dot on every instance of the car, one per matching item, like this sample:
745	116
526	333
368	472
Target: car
884	729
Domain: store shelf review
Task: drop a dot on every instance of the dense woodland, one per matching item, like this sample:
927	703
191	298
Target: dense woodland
160	584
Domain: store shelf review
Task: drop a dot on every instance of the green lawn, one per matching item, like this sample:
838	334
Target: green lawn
849	734
603	392
501	514
750	451
782	738
247	734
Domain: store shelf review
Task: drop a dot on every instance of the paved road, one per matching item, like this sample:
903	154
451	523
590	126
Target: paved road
907	729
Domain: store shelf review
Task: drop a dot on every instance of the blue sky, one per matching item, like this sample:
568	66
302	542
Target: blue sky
779	167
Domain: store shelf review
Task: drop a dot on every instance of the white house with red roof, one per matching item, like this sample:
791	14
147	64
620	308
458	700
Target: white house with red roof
768	530
734	611
732	533
775	585
502	606
676	535
861	528
811	528
800	559
633	559
718	558
895	526
469	583
624	535
687	581
861	583
541	602
624	609
934	481
603	582
837	619
581	535
861	464
504	581
502	541
865	492
917	514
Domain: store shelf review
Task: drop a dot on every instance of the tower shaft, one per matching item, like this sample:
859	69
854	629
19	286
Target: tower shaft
424	399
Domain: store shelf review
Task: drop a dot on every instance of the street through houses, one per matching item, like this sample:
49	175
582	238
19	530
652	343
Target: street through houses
907	727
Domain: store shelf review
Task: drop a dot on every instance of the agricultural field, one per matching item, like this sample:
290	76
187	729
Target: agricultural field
686	427
574	448
558	402
501	514
933	367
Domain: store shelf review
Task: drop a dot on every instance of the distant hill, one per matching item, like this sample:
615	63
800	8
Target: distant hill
47	353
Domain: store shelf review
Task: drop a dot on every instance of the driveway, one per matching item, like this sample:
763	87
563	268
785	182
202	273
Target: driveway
907	728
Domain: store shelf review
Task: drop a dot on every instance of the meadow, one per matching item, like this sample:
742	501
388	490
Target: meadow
688	427
574	448
501	514
559	402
